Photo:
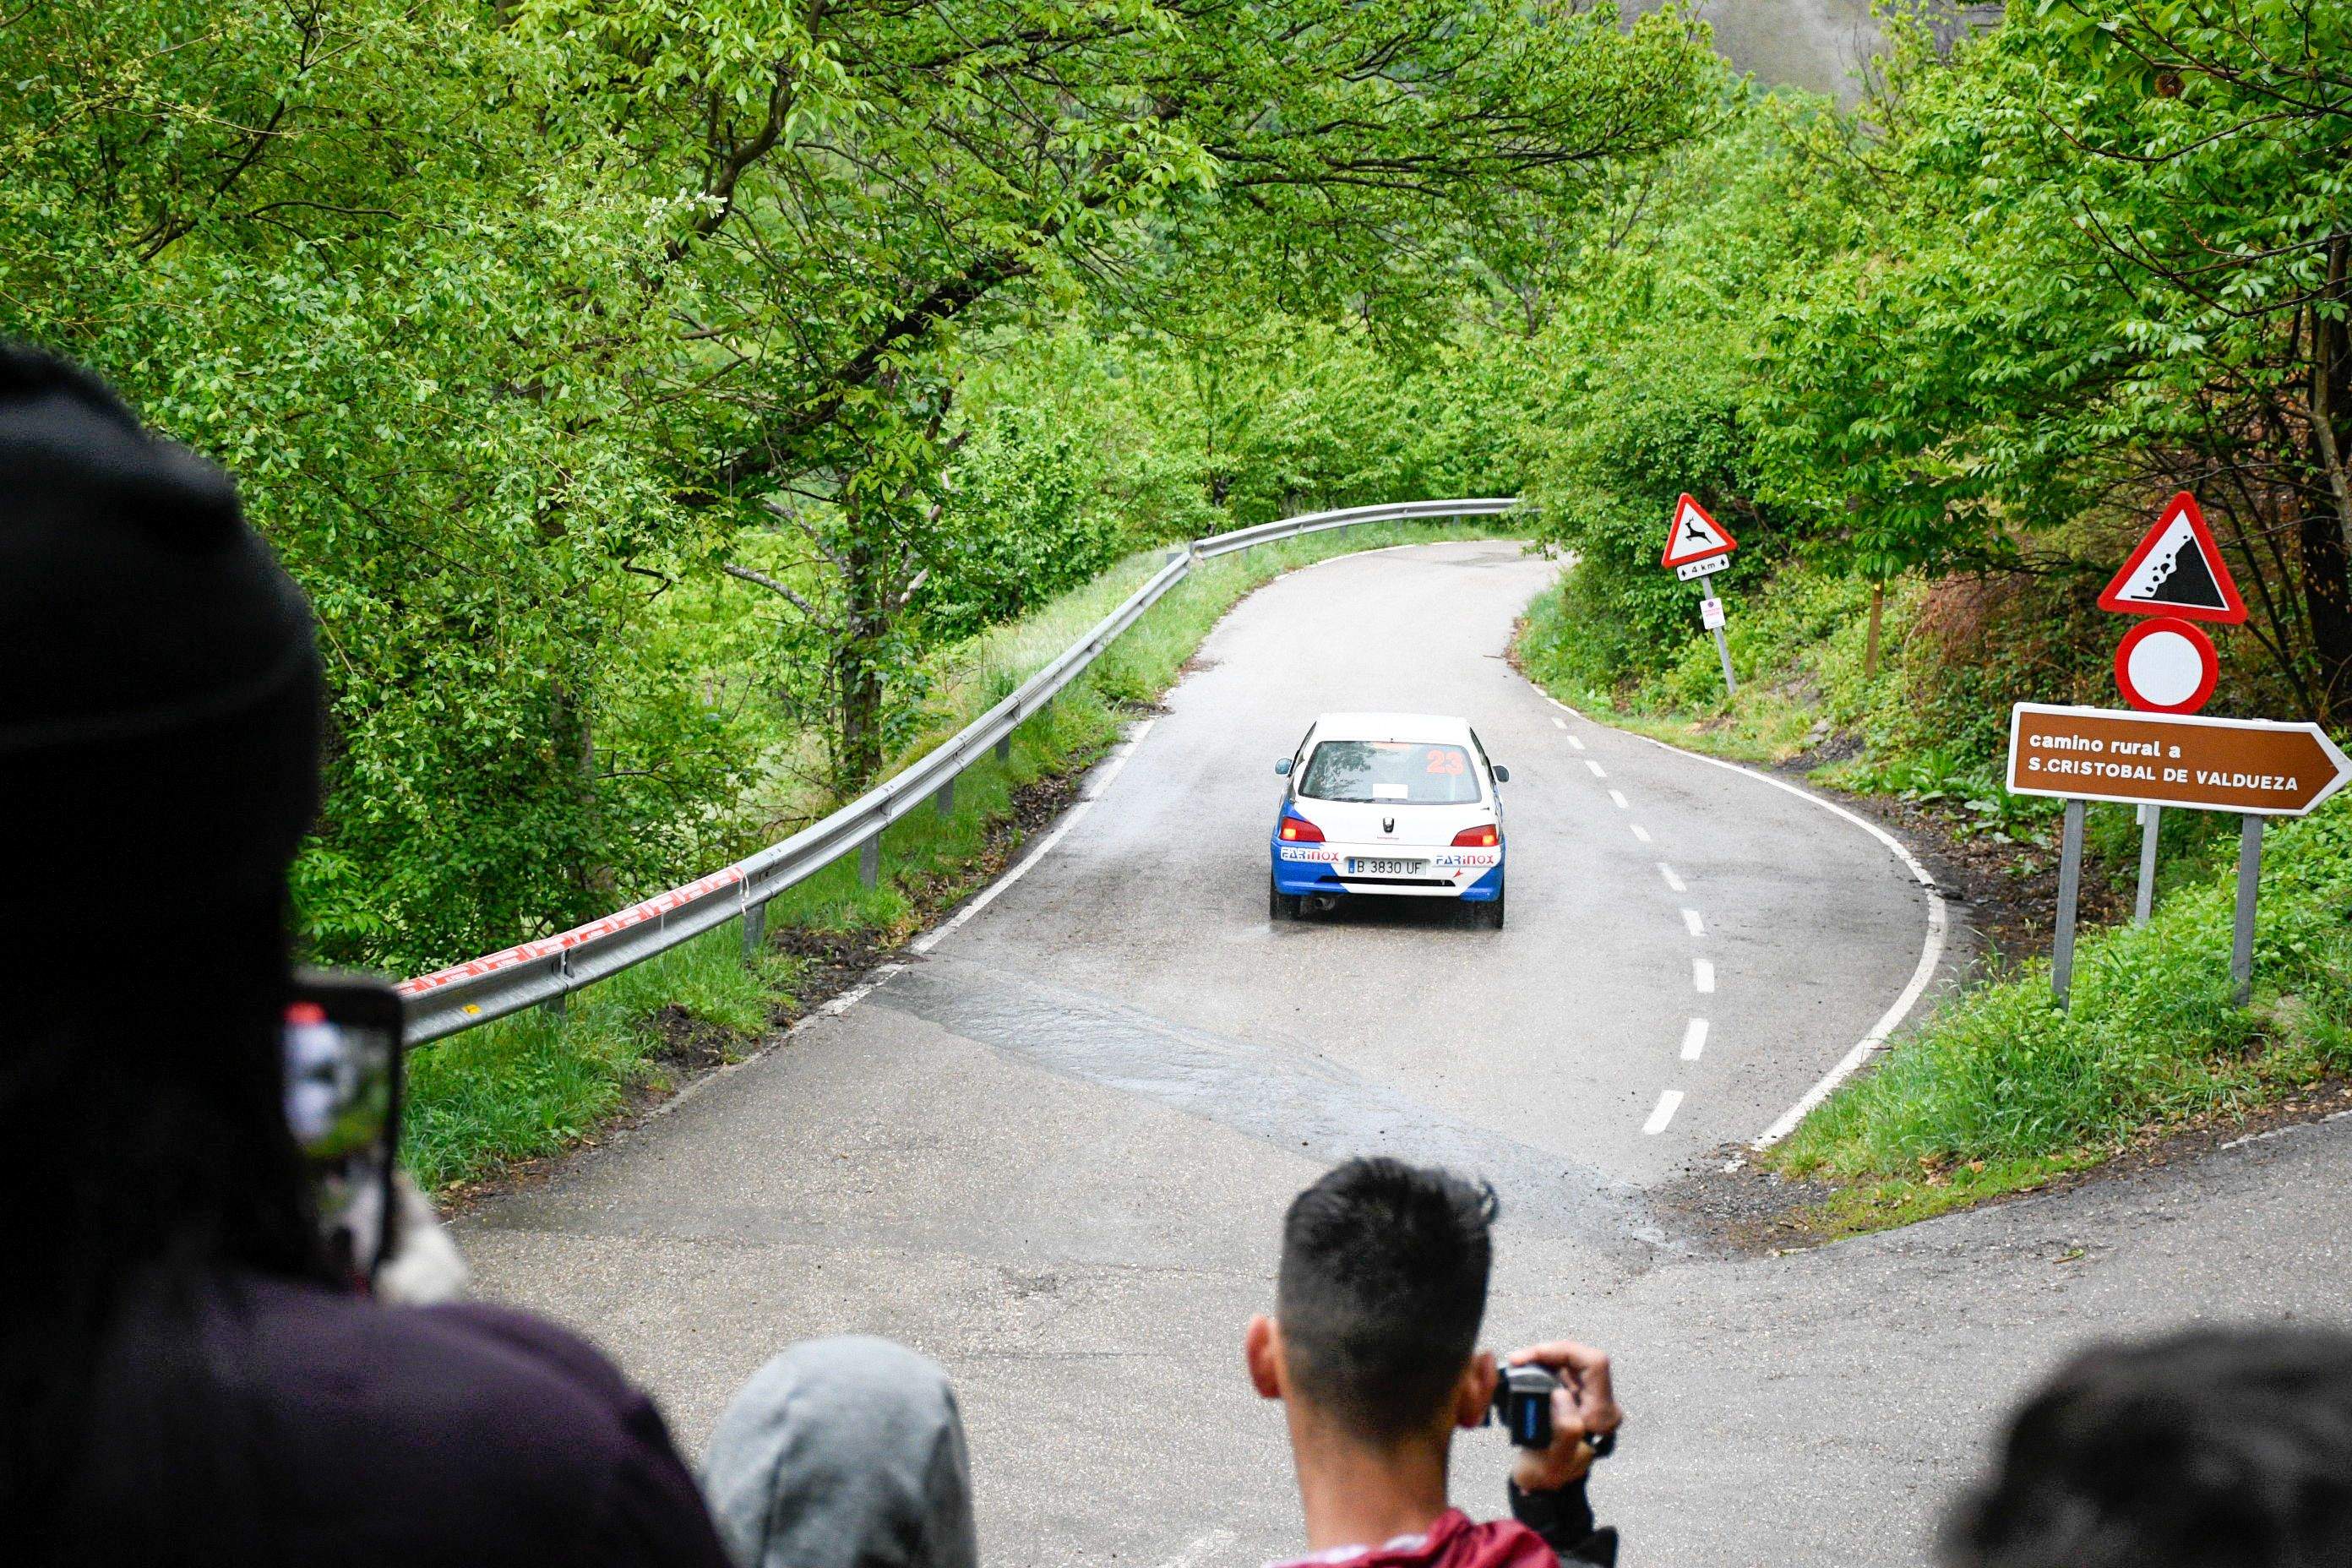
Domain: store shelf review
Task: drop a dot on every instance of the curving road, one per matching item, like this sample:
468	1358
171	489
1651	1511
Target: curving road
1053	1148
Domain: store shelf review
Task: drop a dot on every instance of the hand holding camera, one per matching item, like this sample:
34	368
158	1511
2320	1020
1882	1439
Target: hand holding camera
1556	1403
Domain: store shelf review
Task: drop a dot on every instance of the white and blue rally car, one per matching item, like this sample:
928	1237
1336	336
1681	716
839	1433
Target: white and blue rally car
1400	803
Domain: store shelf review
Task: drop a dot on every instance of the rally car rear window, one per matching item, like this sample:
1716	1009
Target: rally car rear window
1374	771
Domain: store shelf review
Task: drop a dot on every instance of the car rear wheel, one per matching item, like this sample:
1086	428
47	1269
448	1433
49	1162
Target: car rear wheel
1280	906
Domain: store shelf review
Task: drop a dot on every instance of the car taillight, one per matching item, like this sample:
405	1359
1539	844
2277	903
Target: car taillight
1299	830
1477	838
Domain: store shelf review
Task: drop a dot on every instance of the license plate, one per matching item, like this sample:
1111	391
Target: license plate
1383	868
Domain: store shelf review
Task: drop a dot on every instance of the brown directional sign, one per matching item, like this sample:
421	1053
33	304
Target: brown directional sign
2172	759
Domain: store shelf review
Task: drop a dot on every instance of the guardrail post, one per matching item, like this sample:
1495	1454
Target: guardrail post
755	929
555	1003
869	860
945	799
1004	748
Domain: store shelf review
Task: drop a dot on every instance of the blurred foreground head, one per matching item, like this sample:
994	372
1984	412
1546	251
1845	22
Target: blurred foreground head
159	732
2218	1448
159	689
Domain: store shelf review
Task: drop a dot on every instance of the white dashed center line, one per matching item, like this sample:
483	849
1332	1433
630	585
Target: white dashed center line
1560	724
1703	976
1595	767
1640	833
1693	1039
1690	919
1577	743
1617	798
1672	880
1664	1113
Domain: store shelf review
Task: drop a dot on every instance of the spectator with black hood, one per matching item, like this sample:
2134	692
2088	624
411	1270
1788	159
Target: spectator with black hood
182	1380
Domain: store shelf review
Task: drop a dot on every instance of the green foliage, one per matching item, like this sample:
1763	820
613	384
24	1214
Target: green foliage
300	241
518	324
1022	523
2042	279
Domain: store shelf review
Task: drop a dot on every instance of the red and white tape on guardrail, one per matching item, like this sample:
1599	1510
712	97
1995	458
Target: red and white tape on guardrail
548	947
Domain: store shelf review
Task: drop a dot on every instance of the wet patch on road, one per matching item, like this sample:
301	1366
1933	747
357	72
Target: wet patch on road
1297	1102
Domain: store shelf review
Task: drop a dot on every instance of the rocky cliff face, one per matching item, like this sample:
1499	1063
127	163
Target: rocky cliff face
1817	45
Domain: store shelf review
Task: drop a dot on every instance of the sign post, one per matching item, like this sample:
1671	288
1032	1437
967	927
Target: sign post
2069	895
2250	875
1696	547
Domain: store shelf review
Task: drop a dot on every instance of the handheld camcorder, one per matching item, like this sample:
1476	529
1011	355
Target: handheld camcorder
1523	1404
342	1062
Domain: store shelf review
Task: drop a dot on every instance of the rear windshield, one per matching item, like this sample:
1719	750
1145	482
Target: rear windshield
1390	771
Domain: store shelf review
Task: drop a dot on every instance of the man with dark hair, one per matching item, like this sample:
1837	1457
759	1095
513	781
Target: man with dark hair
1373	1351
2216	1449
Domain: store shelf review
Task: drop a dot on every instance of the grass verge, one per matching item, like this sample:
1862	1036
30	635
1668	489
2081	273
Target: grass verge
533	1085
1999	1091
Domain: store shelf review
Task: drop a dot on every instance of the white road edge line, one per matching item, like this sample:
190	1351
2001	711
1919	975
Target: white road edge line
1690	919
1070	818
1931	951
2284	1131
1668	1102
1702	976
1641	832
1672	880
1693	1039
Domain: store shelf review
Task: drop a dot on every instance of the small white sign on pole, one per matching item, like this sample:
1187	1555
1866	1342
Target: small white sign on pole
1710	612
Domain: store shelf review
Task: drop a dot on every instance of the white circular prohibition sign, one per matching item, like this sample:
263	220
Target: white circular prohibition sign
2165	666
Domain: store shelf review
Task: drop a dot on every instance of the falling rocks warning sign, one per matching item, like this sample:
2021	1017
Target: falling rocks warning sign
2176	570
2172	759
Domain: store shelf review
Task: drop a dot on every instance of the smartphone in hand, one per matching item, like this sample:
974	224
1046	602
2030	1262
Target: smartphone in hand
343	1058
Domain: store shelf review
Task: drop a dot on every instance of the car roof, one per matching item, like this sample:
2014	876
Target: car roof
1412	726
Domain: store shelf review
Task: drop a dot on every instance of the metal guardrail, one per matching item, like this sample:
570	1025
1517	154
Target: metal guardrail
532	973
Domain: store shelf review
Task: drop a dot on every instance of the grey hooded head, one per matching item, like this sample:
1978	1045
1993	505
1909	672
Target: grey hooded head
843	1453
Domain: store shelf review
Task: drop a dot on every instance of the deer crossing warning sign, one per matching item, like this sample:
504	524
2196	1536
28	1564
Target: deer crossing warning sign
1694	536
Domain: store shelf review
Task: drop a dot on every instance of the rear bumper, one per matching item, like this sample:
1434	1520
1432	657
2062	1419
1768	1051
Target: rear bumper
1320	870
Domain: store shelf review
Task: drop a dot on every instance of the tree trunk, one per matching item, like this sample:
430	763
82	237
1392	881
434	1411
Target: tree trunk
1870	645
857	662
2325	531
2327	601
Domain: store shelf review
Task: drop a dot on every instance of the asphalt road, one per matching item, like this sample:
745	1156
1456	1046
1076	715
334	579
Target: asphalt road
1053	1150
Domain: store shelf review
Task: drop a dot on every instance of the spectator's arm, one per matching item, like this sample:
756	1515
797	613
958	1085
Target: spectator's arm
1547	1485
1564	1519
